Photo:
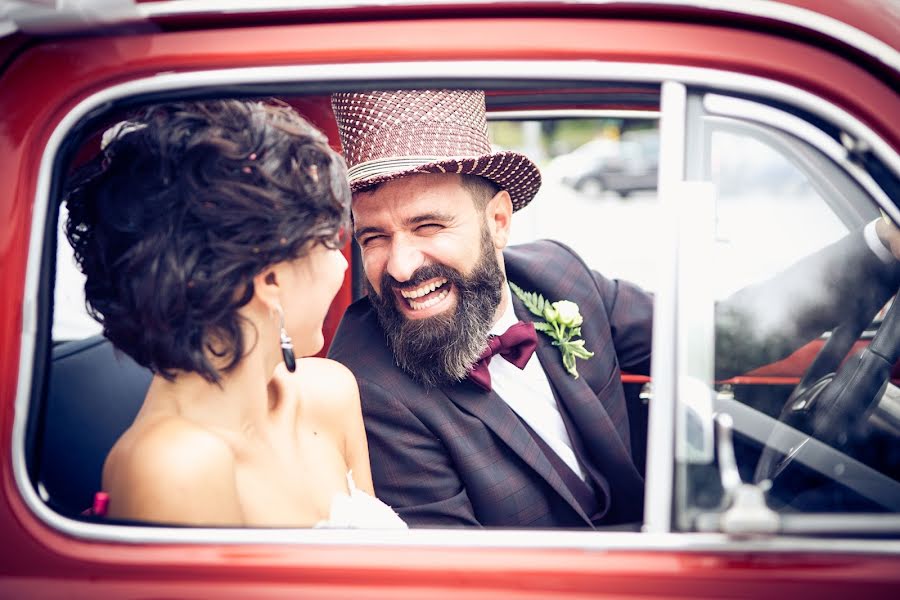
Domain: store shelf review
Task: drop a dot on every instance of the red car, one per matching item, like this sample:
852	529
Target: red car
779	133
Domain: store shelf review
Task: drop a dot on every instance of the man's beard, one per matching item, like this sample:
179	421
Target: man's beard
440	350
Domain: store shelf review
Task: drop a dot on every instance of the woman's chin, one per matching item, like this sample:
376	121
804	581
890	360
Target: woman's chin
312	345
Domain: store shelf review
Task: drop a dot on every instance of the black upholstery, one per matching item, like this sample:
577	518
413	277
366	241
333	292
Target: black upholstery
94	394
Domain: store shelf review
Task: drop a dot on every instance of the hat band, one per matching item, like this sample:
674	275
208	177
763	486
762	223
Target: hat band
382	166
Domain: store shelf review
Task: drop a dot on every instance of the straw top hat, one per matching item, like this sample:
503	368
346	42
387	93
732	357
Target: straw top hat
389	134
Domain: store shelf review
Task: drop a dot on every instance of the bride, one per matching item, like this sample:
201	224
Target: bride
210	236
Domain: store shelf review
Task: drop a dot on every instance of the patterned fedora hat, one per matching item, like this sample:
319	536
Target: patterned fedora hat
390	134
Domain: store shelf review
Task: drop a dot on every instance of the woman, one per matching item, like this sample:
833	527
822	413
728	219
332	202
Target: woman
209	234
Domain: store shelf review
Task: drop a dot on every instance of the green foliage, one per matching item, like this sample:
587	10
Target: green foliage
563	333
535	303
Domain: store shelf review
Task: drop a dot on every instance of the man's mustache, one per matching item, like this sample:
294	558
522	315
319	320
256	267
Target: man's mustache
419	276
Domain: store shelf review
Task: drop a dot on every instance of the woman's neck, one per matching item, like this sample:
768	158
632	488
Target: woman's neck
242	399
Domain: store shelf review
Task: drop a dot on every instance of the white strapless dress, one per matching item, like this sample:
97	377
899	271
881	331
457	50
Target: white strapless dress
359	510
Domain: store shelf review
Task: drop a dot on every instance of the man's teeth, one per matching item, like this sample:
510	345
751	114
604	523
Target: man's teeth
426	303
421	291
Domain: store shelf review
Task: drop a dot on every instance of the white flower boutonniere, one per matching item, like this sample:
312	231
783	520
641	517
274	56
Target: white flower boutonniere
562	322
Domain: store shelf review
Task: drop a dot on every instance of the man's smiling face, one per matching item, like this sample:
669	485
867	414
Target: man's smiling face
431	253
414	222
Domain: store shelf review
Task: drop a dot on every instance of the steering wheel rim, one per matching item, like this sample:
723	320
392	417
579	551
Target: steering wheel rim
844	395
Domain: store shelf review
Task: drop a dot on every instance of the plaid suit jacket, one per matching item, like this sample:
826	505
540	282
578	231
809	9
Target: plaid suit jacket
457	455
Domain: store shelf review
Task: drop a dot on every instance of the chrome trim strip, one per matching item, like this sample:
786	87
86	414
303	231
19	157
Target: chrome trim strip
799	524
659	474
805	524
613	541
362	72
525	115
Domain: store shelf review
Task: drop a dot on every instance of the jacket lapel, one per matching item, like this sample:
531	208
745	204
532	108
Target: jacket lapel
497	416
599	434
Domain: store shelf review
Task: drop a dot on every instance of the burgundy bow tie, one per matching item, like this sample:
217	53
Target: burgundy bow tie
516	345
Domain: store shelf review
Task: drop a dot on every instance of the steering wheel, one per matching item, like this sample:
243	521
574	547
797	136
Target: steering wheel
830	402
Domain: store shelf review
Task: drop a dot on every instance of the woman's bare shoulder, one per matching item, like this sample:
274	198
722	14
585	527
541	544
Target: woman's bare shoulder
167	438
322	376
155	465
326	386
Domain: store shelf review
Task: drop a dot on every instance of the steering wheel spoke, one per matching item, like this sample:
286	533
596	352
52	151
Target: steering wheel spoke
833	399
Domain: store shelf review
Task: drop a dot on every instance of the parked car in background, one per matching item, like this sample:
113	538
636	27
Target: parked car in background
777	135
623	166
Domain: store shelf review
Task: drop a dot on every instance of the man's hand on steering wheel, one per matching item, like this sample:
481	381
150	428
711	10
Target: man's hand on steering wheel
835	394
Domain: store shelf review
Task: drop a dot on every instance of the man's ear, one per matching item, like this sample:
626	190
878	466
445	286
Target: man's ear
498	213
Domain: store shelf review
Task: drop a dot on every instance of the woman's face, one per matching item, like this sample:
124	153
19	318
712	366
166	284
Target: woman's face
314	279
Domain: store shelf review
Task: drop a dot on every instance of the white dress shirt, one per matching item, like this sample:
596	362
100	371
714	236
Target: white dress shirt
528	393
875	244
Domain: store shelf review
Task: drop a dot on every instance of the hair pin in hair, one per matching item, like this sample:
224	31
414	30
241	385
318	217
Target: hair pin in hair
252	157
120	129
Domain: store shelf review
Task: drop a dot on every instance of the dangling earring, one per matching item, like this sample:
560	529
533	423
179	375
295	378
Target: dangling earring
287	346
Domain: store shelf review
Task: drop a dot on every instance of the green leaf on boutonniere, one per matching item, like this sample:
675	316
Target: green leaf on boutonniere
535	303
562	323
543	327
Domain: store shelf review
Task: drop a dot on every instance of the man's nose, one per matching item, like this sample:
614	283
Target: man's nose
404	259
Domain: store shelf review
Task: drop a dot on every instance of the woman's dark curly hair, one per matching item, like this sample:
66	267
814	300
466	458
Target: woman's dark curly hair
182	208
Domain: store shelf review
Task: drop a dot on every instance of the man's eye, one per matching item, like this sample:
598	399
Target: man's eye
370	239
429	227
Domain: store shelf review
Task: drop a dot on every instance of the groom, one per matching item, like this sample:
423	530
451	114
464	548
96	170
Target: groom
518	441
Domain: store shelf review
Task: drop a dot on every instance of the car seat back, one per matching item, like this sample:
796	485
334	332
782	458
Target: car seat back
95	393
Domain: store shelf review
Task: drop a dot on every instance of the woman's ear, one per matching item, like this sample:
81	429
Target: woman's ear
499	216
267	288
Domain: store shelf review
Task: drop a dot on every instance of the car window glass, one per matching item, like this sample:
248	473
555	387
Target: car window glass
599	190
71	320
761	194
806	436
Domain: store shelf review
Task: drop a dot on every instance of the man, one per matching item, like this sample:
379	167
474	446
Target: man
457	438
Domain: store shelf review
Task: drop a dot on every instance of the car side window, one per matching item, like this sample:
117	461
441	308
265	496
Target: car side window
798	296
606	225
776	196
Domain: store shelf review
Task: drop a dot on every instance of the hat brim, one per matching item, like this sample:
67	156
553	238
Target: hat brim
511	171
